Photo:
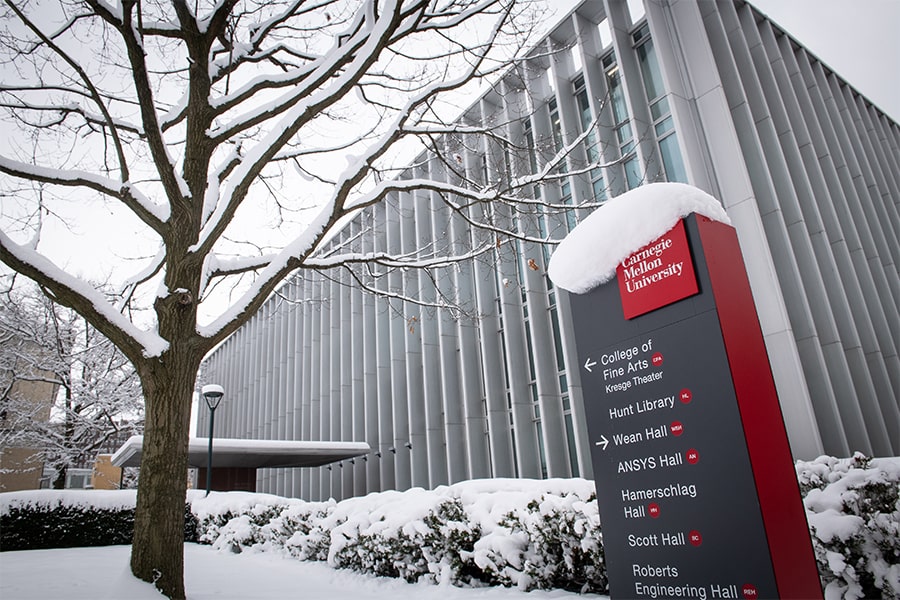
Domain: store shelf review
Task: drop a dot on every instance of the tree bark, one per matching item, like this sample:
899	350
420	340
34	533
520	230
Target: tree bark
157	551
59	482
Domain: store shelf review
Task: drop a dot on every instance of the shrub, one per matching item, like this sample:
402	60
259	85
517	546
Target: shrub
36	521
311	524
240	521
853	509
552	542
32	528
433	546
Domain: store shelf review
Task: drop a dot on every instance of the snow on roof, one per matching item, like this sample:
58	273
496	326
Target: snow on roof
588	256
228	452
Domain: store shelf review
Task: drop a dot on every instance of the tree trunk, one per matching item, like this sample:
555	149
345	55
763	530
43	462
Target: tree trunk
59	482
157	551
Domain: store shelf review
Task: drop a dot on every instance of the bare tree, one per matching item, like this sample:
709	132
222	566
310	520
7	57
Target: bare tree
189	117
99	396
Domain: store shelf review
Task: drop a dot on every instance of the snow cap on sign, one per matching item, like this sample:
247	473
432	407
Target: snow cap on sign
588	256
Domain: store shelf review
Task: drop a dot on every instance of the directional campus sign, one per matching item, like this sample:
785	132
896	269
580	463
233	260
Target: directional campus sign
695	480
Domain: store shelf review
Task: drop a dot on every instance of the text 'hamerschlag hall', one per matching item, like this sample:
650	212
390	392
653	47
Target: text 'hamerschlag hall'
712	94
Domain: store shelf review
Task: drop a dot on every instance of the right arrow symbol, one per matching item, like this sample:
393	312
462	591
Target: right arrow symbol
603	443
590	363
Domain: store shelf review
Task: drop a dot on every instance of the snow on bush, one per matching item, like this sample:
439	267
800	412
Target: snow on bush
40	519
513	532
414	535
540	540
239	521
853	510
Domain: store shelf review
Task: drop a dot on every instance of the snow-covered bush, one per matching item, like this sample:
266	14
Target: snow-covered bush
310	526
551	542
413	535
240	521
513	532
71	518
853	509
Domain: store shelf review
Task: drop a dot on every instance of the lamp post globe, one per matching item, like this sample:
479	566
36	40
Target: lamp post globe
212	394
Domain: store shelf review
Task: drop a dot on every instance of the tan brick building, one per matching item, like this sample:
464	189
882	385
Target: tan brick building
19	469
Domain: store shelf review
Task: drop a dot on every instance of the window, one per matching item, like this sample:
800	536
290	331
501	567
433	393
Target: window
663	124
635	10
605	33
531	150
591	143
565	192
623	128
77	479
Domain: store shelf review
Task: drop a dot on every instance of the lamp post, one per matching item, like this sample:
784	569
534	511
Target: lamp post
213	395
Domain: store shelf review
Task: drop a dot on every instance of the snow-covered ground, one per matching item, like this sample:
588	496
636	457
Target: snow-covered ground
103	573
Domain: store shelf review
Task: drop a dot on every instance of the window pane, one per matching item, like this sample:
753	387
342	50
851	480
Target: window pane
672	160
605	33
529	145
635	10
599	189
584	108
650	70
633	173
570	442
660	108
620	112
555	125
664	126
557	340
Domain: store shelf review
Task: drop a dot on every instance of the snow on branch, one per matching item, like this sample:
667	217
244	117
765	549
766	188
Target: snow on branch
60	112
442	302
150	270
341	70
409	261
287	260
150	213
75	293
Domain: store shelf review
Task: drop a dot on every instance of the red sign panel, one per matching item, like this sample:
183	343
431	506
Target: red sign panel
658	274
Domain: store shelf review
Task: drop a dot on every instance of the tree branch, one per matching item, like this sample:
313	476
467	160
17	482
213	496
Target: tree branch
69	291
154	216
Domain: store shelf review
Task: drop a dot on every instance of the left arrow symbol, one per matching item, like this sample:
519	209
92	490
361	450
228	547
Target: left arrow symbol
590	363
603	443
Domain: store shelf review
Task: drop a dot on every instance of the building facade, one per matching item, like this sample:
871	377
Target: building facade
706	93
22	466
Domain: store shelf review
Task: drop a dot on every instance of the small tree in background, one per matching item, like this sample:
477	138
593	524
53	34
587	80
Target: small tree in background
99	395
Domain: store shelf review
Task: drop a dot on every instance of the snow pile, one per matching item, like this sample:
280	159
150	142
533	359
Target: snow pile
588	256
853	509
45	500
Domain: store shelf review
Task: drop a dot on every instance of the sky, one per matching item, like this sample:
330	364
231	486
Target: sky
856	38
